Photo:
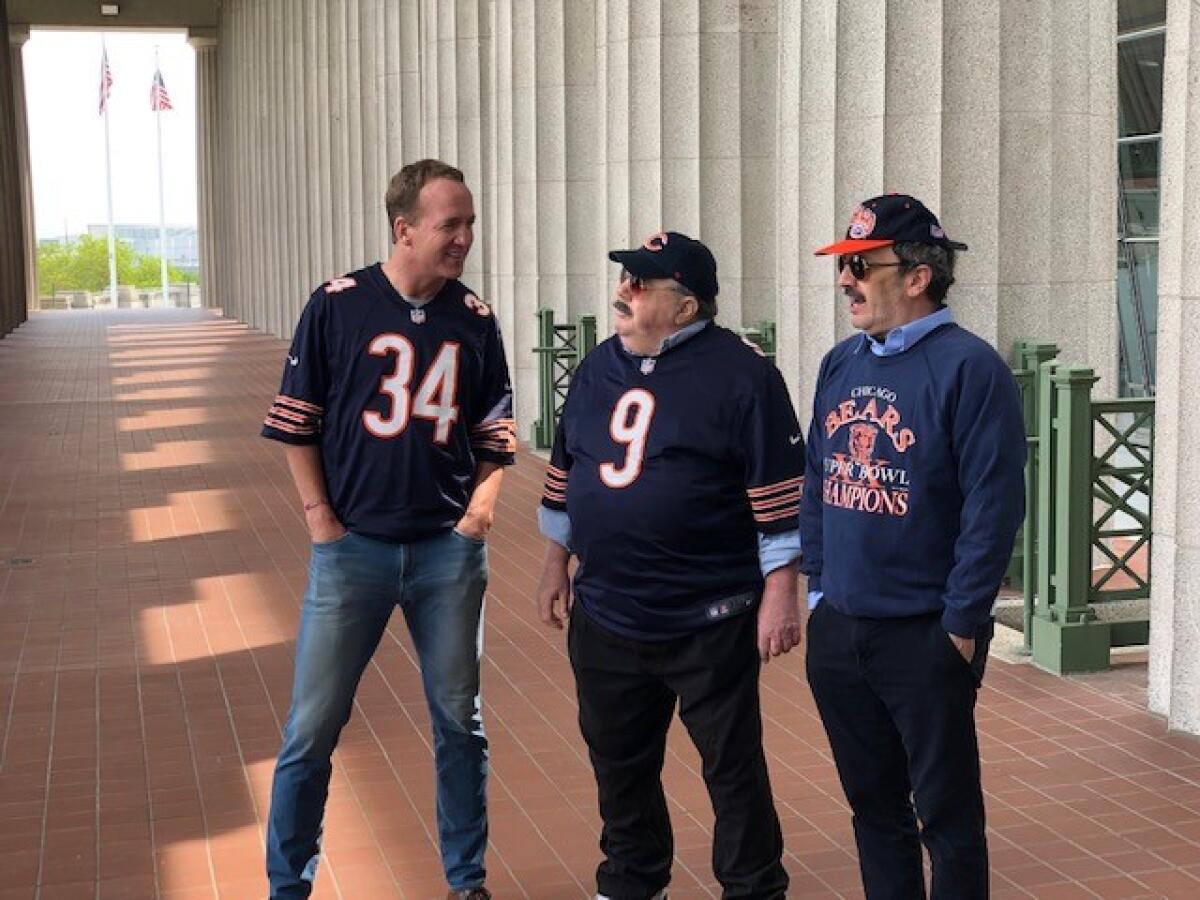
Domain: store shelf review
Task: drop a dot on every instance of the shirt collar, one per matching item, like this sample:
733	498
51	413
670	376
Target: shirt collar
906	336
674	340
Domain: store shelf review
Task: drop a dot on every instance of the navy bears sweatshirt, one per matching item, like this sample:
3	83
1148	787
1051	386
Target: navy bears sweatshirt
914	479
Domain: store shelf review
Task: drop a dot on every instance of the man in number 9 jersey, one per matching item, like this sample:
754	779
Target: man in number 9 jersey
396	411
675	479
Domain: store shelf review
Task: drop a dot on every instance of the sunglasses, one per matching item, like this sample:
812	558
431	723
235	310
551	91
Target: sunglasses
635	282
859	266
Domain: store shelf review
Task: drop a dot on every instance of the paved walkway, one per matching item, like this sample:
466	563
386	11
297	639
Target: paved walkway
151	561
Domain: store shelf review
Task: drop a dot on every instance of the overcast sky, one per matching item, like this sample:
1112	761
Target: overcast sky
66	130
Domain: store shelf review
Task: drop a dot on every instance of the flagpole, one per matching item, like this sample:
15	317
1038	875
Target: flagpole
162	216
112	242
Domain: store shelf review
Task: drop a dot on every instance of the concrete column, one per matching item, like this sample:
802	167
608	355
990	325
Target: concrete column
313	156
357	173
1000	116
1174	681
17	263
518	296
687	94
544	253
737	79
228	85
807	213
208	131
405	122
17	37
297	280
455	70
1057	185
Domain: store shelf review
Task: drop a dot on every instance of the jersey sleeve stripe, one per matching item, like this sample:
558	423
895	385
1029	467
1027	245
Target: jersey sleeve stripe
280	412
293	416
777	487
494	425
281	425
768	505
789	512
297	403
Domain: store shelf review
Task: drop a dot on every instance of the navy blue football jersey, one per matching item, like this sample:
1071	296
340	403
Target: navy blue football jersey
403	401
669	468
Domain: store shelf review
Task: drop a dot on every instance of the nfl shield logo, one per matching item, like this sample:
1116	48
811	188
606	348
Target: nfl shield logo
648	365
418	316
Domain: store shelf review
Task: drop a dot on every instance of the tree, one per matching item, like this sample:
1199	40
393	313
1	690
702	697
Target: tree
82	265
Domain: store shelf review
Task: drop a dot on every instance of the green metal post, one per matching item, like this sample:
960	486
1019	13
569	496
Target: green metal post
1073	542
767	330
1024	377
1044	529
587	335
543	428
1068	639
1028	357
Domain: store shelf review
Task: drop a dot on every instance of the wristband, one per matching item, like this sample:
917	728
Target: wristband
309	507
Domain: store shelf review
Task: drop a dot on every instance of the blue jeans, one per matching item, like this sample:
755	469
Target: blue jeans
353	585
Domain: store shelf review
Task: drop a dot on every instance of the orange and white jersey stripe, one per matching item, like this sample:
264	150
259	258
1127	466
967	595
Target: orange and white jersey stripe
772	502
554	494
498	435
294	416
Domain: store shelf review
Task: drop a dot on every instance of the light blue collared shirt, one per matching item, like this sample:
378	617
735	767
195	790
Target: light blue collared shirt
673	340
899	339
906	336
774	550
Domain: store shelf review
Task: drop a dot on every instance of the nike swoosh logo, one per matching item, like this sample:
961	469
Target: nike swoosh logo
294	360
793	440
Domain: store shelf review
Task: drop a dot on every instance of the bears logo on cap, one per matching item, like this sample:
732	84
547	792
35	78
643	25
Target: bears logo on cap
862	223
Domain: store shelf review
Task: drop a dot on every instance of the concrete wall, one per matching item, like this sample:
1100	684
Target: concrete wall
1174	688
755	125
1000	116
16	286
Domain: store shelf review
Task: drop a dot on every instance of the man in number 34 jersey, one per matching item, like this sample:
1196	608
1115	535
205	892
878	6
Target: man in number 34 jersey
396	411
675	480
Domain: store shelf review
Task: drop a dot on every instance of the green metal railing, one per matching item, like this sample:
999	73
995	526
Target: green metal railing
1027	358
561	347
559	350
1088	493
762	334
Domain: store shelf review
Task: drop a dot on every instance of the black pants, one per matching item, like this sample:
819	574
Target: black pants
898	703
627	691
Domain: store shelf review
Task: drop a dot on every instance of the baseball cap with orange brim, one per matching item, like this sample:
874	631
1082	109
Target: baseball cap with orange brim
890	219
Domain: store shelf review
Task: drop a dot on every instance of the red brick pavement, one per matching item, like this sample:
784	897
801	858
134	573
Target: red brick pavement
151	562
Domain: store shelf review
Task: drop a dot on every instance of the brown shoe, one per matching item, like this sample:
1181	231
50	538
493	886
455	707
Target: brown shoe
475	893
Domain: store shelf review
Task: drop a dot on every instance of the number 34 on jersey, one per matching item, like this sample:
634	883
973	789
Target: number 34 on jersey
435	398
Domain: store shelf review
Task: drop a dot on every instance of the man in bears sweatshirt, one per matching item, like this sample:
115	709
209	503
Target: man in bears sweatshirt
914	490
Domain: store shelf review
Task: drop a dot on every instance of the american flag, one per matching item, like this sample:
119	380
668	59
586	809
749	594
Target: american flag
106	79
159	100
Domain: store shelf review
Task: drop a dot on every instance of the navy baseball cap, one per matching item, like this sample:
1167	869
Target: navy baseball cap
673	255
890	219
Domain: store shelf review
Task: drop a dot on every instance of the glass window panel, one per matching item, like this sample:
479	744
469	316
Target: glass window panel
1133	15
1137	313
1138	164
1140	84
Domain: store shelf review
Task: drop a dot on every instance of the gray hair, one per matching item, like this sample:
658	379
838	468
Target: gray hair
940	261
706	309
